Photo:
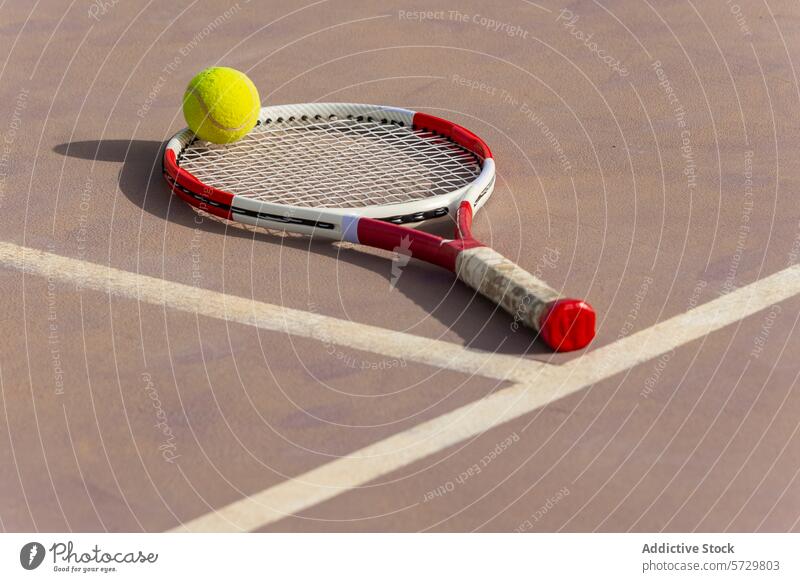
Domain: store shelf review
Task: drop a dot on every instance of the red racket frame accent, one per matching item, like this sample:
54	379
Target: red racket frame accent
458	134
181	181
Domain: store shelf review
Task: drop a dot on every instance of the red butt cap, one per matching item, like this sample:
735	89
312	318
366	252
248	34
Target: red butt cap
568	324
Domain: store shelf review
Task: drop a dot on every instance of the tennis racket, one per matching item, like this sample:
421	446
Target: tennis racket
368	174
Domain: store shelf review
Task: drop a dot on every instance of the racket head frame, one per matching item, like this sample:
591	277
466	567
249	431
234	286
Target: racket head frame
335	222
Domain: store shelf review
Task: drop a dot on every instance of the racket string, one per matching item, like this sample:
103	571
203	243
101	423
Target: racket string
334	163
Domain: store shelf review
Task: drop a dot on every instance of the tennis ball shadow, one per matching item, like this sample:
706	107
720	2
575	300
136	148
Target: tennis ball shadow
477	321
140	176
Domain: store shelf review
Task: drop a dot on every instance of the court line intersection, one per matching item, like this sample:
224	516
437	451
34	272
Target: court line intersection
535	384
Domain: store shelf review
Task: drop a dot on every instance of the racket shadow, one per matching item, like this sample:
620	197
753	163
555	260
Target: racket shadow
476	321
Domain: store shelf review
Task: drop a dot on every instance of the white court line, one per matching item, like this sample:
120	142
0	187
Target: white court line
537	384
392	344
553	383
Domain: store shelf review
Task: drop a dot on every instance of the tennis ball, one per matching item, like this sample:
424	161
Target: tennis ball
221	105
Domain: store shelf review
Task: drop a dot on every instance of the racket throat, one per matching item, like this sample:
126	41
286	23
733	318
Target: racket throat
414	243
464	222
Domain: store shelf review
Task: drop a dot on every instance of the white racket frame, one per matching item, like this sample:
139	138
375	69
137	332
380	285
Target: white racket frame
476	193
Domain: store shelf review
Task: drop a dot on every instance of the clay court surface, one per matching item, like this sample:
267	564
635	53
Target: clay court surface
162	370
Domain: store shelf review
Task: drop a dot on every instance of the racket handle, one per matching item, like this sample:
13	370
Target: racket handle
564	324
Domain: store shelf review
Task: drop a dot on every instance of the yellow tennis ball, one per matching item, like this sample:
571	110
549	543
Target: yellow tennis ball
221	105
